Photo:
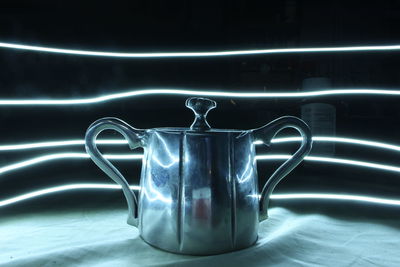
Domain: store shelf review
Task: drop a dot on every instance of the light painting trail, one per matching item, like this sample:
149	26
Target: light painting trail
183	92
295	196
147	92
44	49
62	143
58	156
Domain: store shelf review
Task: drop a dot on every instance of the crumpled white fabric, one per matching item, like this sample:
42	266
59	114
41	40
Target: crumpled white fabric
102	238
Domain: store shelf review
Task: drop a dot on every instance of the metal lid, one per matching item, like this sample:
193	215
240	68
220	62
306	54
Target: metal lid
200	106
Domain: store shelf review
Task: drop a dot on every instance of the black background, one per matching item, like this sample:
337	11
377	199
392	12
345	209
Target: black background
170	26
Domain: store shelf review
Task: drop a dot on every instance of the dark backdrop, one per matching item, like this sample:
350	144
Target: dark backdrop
147	26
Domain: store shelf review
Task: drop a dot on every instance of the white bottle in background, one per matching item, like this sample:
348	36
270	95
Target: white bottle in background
321	117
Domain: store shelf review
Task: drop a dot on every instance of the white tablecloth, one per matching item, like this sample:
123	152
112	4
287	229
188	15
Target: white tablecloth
102	238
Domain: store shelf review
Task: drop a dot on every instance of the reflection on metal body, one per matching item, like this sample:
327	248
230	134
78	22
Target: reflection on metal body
204	206
199	192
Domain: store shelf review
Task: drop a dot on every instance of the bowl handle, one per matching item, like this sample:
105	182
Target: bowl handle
136	138
266	134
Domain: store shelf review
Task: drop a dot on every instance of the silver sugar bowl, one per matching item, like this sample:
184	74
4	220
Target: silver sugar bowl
199	186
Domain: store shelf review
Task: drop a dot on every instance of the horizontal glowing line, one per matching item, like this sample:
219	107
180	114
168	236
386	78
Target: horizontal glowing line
49	157
320	196
137	93
59	144
275	141
60	189
200	54
335	160
345	140
369	199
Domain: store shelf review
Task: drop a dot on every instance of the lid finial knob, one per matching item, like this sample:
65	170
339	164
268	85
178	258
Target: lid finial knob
200	106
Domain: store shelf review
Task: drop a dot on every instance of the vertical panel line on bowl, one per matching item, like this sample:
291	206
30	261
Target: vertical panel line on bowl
232	180
143	180
181	191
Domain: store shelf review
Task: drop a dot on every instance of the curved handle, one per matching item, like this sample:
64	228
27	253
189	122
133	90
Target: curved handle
266	133
135	137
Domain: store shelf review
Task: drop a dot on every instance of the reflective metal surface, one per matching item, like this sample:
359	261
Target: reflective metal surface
199	192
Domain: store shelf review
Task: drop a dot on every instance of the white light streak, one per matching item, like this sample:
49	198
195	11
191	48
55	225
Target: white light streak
199	54
50	157
335	160
62	188
345	140
147	92
321	196
56	156
318	196
62	143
